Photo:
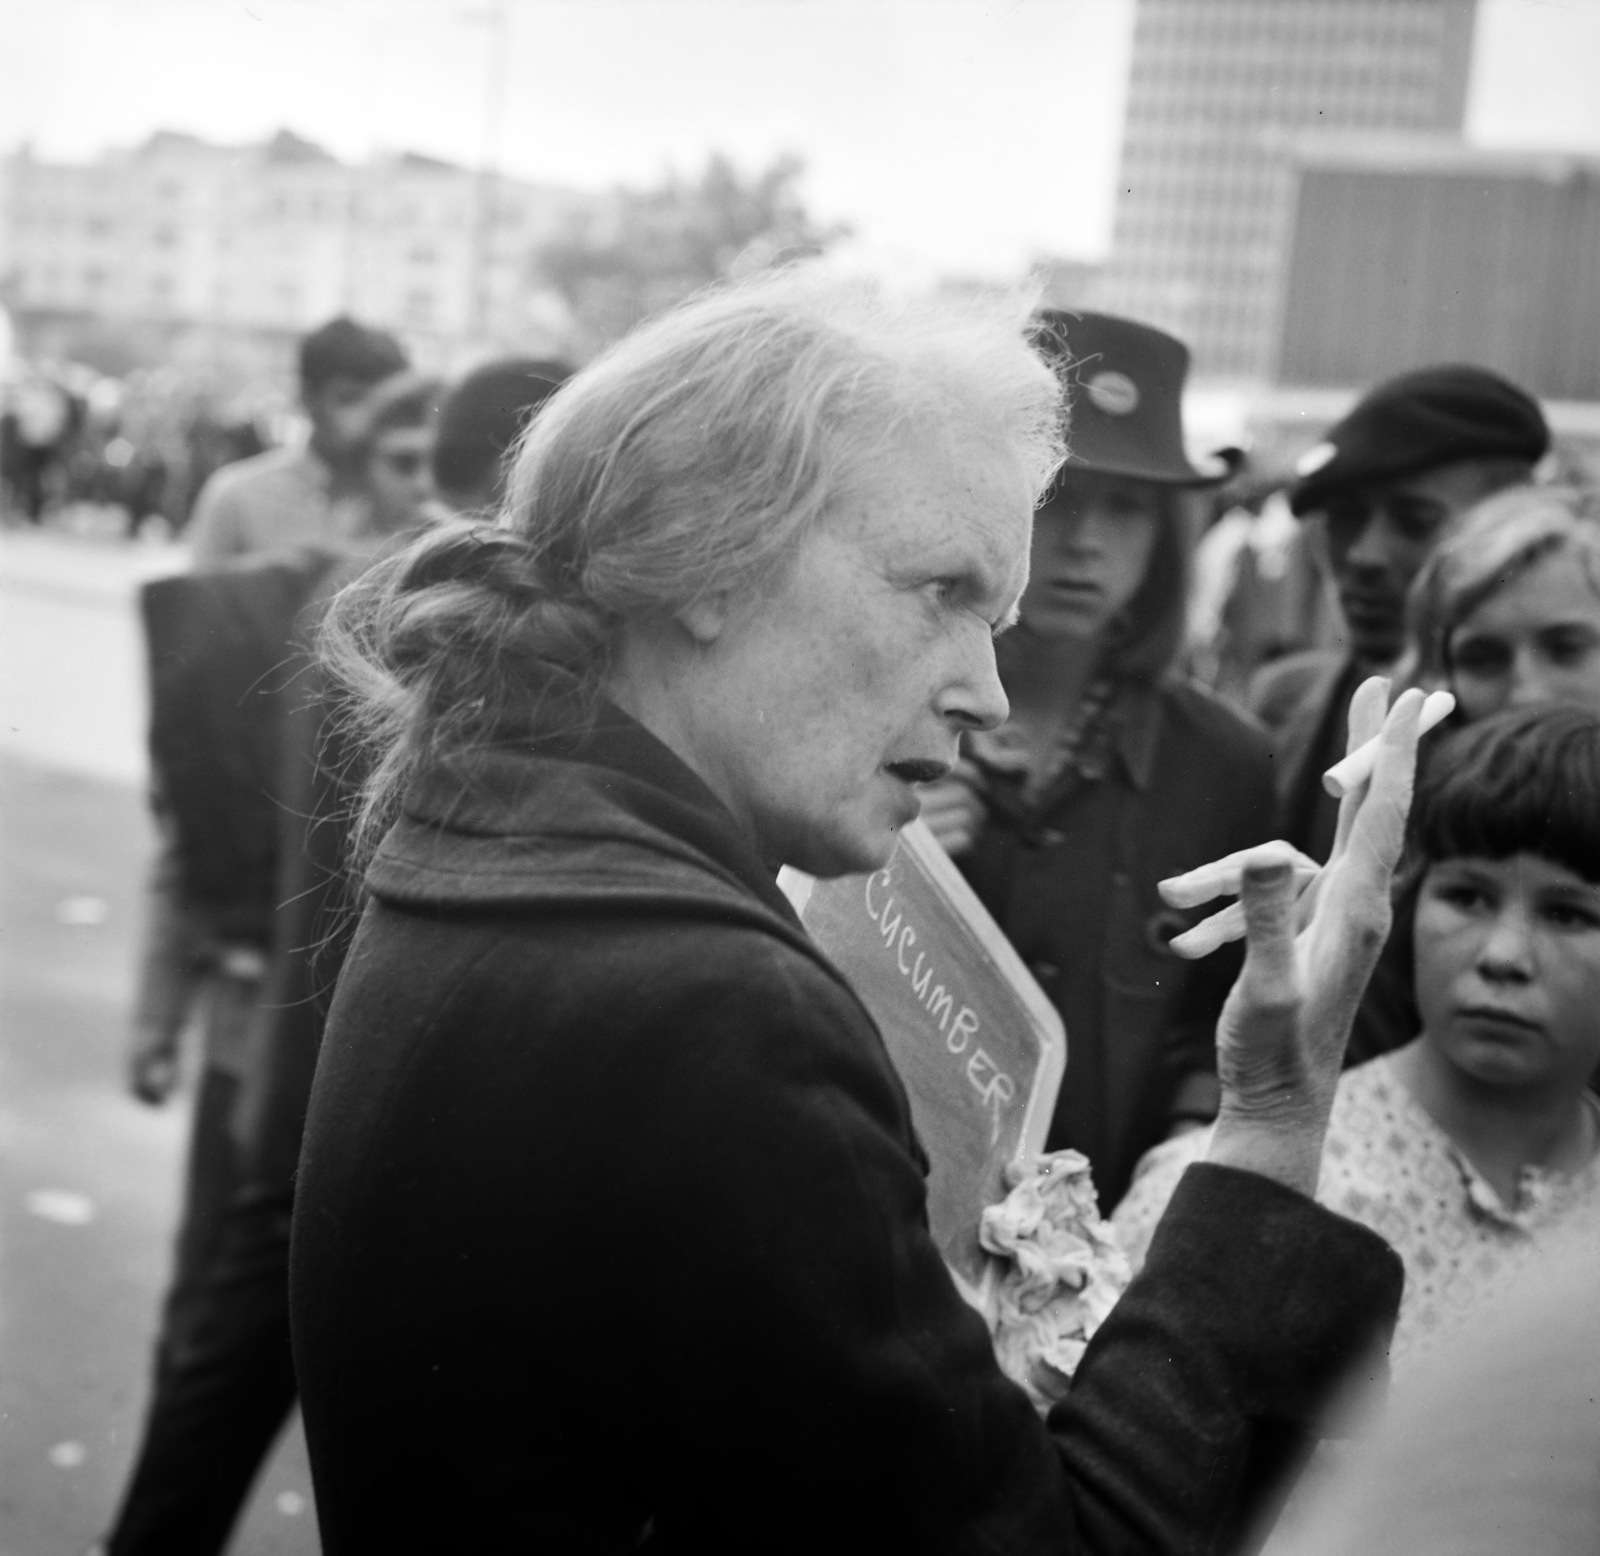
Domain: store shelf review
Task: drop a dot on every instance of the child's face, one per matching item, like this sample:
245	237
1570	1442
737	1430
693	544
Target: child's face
1535	640
1508	970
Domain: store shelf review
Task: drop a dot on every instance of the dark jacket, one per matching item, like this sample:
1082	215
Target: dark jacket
610	1231
1072	882
1304	701
222	666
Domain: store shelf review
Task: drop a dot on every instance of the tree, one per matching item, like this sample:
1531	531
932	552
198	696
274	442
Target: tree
641	251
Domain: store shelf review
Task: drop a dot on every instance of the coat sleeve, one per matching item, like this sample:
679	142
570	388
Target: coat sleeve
215	531
829	1366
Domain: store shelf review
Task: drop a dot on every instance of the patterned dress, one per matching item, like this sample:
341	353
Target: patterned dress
1387	1165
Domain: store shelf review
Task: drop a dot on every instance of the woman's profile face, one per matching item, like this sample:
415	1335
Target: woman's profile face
1091	548
1508	970
1536	640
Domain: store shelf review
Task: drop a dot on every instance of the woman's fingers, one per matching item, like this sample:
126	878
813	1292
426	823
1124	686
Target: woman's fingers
1210	934
1227	877
1368	709
1267	899
1353	914
1222	877
953	810
1377	830
1363	723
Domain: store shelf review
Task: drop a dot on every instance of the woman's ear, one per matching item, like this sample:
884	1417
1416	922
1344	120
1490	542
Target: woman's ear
705	618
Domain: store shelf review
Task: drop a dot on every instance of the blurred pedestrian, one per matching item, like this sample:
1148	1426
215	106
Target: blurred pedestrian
1477	1145
480	424
224	1382
1494	1447
291	496
37	426
391	457
1413	456
1113	772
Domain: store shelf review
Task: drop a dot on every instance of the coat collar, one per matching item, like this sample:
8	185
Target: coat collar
599	816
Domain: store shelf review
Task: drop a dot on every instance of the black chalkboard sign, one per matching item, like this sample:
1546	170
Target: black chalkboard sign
979	1046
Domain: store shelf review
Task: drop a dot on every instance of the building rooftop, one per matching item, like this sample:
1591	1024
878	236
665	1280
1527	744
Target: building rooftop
1413	153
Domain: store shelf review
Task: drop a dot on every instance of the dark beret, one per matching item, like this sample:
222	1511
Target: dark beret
1418	421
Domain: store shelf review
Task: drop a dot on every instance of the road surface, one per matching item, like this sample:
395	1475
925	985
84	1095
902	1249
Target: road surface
88	1177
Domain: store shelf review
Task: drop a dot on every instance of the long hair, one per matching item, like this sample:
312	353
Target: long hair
691	458
1497	542
1150	632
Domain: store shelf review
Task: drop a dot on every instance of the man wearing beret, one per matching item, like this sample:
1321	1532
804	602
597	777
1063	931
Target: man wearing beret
1413	455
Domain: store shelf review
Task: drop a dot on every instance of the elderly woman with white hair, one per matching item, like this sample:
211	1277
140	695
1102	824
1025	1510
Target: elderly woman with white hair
611	1224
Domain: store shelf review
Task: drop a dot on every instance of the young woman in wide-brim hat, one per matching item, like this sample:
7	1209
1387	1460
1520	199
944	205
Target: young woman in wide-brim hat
1112	772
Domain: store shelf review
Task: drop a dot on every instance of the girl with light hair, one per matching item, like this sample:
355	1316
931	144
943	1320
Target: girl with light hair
610	1229
1506	613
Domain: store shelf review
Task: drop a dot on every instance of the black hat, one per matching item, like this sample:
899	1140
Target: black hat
1418	421
1125	396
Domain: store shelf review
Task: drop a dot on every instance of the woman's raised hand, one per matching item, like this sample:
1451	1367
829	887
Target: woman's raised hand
1312	938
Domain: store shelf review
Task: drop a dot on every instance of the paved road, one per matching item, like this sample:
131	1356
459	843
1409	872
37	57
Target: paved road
88	1177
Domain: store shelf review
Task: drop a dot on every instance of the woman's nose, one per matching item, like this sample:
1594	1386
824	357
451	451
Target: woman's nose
974	698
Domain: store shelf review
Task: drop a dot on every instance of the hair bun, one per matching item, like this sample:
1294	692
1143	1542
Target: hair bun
472	552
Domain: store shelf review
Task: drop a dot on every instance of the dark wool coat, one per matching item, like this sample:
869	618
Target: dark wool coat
1072	882
610	1230
1304	700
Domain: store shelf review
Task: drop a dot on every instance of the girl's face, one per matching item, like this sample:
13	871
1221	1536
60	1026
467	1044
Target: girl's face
1091	547
1536	640
1508	970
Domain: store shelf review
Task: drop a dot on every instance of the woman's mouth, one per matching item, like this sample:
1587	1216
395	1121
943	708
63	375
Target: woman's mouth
1075	588
915	770
1491	1016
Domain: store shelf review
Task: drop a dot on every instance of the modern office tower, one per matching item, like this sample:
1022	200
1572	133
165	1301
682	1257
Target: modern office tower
1409	251
1221	94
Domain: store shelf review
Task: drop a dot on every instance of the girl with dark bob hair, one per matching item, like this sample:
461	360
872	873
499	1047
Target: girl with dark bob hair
1113	771
1477	1145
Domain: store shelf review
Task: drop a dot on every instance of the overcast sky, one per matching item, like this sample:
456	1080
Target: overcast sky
968	135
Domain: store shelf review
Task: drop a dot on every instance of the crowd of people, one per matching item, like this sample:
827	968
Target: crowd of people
540	1153
139	447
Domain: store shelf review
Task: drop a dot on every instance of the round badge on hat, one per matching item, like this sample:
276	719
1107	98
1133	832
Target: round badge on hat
1125	397
1114	393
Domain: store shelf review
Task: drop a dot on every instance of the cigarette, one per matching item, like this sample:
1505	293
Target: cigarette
1345	777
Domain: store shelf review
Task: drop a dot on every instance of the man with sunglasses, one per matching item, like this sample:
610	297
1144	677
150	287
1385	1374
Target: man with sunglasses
1383	488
